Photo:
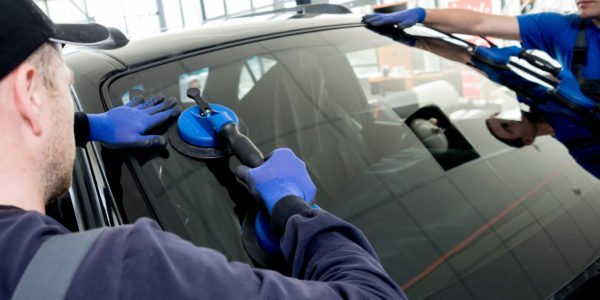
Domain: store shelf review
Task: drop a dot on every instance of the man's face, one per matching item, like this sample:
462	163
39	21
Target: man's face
60	153
510	130
588	8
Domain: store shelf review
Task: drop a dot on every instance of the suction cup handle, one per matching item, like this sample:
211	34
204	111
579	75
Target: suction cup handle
242	146
539	62
204	108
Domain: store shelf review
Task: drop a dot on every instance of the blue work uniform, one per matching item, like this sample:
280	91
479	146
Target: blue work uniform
328	258
556	34
579	133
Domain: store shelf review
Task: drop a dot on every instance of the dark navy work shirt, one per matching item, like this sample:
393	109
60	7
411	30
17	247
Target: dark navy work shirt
578	132
329	258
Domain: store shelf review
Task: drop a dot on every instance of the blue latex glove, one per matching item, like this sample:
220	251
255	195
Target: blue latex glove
499	57
124	126
404	19
282	174
494	73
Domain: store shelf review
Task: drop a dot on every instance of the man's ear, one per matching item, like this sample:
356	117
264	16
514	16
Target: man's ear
26	96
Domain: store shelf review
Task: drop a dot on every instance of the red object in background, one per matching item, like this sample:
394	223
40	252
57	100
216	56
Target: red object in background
471	84
484	6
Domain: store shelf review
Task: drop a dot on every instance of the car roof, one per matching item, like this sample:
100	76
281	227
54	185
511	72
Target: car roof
224	32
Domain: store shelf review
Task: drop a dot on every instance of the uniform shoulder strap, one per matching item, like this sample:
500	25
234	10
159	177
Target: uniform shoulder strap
49	274
579	52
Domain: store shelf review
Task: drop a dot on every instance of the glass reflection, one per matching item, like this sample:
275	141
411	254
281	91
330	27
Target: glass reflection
547	113
577	135
396	141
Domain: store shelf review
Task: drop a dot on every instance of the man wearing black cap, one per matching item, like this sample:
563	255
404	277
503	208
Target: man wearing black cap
140	261
25	30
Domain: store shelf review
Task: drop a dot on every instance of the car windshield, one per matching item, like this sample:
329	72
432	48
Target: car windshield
395	139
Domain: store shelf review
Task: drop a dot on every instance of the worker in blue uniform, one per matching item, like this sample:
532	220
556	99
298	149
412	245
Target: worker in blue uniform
572	39
577	129
580	137
327	257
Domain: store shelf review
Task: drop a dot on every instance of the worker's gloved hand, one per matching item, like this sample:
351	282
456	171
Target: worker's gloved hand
494	73
282	174
125	126
499	57
404	19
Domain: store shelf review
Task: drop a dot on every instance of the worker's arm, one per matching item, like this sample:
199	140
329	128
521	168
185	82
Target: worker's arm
320	247
451	21
126	126
328	258
472	22
316	245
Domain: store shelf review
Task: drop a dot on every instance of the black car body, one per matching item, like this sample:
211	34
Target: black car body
466	218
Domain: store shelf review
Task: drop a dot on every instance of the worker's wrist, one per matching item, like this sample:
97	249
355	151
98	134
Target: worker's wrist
422	13
285	209
82	129
100	127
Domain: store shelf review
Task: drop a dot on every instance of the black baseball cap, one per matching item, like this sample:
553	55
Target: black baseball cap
24	27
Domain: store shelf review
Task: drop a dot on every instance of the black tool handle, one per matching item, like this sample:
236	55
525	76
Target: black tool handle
203	106
539	63
242	146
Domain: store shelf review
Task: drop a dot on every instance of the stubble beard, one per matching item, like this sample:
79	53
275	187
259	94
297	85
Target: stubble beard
57	177
60	157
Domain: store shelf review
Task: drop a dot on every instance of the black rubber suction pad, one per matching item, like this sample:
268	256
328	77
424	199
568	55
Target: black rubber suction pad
194	151
197	152
258	255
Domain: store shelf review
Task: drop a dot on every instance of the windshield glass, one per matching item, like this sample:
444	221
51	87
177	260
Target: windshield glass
396	141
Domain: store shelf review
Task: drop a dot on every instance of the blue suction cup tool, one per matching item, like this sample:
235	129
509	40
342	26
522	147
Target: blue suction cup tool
261	245
202	130
196	132
211	131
